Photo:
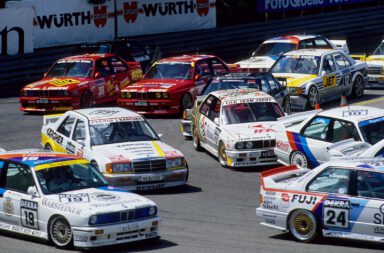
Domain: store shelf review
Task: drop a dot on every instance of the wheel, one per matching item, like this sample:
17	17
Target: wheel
48	147
60	232
358	87
299	159
86	100
313	97
287	106
222	155
186	102
196	139
302	225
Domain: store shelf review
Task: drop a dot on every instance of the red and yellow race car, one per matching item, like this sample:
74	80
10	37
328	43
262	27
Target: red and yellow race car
78	82
172	84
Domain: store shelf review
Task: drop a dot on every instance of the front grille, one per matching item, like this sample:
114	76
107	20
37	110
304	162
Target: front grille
46	93
141	95
264	144
375	70
149	165
123	216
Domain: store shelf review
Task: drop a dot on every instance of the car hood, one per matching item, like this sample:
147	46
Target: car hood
251	131
375	58
95	200
59	83
158	85
128	151
294	80
258	62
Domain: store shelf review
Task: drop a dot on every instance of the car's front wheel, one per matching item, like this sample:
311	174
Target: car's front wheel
186	102
313	97
358	87
86	100
303	225
196	139
299	159
60	232
222	155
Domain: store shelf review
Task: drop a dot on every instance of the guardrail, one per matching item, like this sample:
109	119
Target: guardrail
362	28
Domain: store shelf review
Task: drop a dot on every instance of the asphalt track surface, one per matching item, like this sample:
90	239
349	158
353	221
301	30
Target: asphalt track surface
215	212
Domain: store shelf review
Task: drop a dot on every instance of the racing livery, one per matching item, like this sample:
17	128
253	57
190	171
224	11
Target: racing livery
79	82
351	148
315	76
309	137
268	52
338	199
64	199
236	126
120	143
172	84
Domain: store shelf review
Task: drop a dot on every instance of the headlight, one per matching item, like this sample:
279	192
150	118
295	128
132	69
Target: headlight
240	145
158	95
165	95
93	220
176	162
128	94
295	91
249	144
123	94
152	211
118	167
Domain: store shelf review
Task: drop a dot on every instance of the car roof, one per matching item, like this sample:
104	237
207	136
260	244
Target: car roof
108	113
242	76
34	157
311	52
234	95
354	113
90	57
292	38
374	164
186	58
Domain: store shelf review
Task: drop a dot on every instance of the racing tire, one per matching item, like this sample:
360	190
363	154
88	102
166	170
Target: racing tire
60	232
302	225
299	159
287	107
86	100
358	87
48	147
222	156
313	97
186	102
196	140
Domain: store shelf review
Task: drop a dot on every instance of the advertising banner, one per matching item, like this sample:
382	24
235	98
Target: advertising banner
284	5
16	33
140	17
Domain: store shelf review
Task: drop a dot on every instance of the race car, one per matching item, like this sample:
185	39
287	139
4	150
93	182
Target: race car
240	80
269	51
120	143
79	82
350	148
64	199
337	199
172	84
236	126
307	137
315	76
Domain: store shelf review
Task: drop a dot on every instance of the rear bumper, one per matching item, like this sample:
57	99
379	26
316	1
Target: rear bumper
186	128
150	106
49	104
375	81
298	102
274	219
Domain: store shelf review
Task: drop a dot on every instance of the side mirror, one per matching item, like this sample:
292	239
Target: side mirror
81	142
216	121
97	74
32	191
160	135
197	77
323	73
45	74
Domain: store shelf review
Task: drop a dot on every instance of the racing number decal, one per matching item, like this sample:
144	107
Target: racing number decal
136	74
329	81
346	80
336	213
64	82
28	214
100	91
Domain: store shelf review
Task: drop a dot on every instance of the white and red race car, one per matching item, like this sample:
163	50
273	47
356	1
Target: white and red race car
337	199
307	137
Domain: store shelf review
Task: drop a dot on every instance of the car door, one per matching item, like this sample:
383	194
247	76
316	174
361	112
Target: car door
213	124
104	83
344	66
79	140
203	76
277	90
63	135
120	77
202	120
331	78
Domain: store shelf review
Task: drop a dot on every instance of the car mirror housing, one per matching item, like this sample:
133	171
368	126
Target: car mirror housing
81	142
97	74
323	73
216	121
32	191
197	77
160	135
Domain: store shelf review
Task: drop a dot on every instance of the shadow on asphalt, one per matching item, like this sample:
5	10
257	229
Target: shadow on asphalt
174	190
141	246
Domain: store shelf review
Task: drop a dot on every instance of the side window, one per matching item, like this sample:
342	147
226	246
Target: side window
370	184
218	67
206	105
117	65
328	64
322	43
18	178
103	66
215	110
66	127
273	83
343	130
265	85
202	69
79	132
341	61
305	44
317	128
331	180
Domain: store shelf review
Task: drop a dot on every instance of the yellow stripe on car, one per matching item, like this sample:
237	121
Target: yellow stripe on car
296	82
159	151
58	164
55	146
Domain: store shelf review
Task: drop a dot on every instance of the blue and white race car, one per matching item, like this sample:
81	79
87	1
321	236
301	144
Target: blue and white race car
337	199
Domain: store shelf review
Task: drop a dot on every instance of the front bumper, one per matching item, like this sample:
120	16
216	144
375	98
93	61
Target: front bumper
298	102
282	156
163	106
246	158
186	128
149	181
273	219
49	104
87	237
375	81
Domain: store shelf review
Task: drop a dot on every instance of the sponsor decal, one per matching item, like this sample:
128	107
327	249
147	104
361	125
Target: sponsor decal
378	218
72	198
269	193
100	16
151	234
113	120
130	227
8	207
268	204
281	145
304	199
123	203
18	229
63	82
28	213
260	128
349	113
80	238
336	213
285	197
61	207
70	148
55	136
248	100
28	204
149	187
104	197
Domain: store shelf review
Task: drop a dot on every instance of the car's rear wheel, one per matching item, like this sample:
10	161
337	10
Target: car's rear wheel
60	232
86	100
48	147
358	87
303	225
313	97
299	159
222	155
186	102
196	139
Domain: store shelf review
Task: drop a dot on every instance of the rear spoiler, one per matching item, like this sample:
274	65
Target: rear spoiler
297	118
347	148
51	118
271	178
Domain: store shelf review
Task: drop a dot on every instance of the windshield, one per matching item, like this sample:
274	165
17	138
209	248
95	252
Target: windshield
251	112
379	50
230	85
273	49
125	131
170	70
69	178
372	130
304	64
71	68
